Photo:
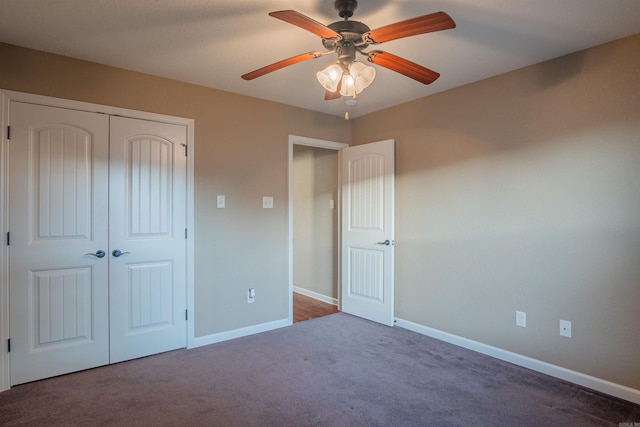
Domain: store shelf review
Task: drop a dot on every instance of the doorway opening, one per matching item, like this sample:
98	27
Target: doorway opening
314	228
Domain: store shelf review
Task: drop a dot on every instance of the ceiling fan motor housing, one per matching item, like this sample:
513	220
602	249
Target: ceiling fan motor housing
351	32
351	41
346	8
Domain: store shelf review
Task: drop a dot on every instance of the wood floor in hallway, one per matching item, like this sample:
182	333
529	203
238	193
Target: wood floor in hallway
305	308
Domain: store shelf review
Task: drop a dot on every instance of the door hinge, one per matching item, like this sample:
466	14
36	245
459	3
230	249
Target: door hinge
9	345
185	233
8	238
8	132
186	315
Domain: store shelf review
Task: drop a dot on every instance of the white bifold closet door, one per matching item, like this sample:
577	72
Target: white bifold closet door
82	187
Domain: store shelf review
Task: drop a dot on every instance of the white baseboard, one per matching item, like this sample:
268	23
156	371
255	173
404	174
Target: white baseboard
241	332
603	386
315	295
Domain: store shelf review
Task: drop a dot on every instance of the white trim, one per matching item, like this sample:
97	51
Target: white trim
4	253
94	108
241	332
598	384
191	233
312	142
315	295
6	96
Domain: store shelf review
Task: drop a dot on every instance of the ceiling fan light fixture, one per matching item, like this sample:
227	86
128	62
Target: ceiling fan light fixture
347	77
352	81
330	77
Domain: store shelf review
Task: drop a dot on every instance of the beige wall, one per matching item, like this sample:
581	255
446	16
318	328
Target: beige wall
522	192
315	224
241	152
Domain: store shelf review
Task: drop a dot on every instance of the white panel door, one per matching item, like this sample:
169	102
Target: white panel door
58	216
147	224
368	176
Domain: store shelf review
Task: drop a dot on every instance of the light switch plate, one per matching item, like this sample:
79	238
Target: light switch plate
267	202
220	202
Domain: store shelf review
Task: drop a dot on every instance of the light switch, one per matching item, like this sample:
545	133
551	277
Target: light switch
220	202
331	204
267	202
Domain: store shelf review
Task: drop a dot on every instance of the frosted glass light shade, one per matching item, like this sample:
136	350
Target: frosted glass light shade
330	77
347	87
357	79
362	75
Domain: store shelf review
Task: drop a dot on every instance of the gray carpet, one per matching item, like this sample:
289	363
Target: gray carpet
334	371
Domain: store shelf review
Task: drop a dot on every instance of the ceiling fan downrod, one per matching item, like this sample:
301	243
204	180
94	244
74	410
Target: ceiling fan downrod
346	8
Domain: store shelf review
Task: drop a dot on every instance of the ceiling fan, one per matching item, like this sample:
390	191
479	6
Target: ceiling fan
346	76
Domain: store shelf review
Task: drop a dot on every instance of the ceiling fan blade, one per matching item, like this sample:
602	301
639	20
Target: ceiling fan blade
281	64
328	96
411	27
403	66
306	23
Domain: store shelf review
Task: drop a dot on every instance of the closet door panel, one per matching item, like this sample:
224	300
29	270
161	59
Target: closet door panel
58	222
147	226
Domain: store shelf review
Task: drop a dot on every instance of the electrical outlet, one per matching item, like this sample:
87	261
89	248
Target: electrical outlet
565	328
267	202
521	319
251	295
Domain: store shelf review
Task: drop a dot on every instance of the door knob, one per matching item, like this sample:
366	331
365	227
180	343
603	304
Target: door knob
386	243
98	254
117	252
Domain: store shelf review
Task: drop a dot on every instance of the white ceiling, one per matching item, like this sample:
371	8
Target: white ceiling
213	42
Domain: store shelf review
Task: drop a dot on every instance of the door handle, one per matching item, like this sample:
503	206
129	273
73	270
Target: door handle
386	243
98	254
117	252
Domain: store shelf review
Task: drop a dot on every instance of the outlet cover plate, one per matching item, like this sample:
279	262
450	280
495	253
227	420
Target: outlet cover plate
565	328
267	202
521	319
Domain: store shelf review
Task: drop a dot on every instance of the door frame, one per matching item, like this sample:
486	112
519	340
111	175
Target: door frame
318	143
6	97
